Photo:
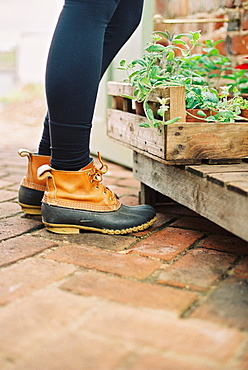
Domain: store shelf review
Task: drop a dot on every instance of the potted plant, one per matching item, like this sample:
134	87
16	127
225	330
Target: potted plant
176	65
167	85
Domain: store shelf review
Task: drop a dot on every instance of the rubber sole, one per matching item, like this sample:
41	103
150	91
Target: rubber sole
30	200
75	229
31	210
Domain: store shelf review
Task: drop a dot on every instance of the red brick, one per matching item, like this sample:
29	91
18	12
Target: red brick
129	183
29	275
7	195
121	191
197	270
21	247
181	10
239	44
94	258
116	171
227	304
164	331
244	363
78	349
241	270
199	223
33	320
230	244
126	291
130	200
162	219
89	240
17	225
167	243
33	327
9	209
4	182
245	20
168	361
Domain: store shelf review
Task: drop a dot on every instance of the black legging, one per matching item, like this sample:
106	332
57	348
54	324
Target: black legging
88	35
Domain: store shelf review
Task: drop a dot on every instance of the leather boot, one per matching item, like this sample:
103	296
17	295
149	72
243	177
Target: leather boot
31	189
77	200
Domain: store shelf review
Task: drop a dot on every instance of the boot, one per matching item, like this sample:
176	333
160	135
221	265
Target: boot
77	200
31	189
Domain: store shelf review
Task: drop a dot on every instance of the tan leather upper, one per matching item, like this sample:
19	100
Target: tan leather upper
78	189
30	180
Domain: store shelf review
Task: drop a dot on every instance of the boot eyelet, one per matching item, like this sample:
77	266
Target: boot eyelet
96	187
91	181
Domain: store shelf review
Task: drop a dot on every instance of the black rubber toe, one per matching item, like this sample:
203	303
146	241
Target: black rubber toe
126	219
30	197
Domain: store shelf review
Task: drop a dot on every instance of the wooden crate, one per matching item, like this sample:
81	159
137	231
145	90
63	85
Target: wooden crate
181	142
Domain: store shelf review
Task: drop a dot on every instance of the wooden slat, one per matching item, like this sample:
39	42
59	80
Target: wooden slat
226	208
223	179
207	140
239	186
222	161
205	169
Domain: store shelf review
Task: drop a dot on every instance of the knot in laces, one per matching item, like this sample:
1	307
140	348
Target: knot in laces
97	173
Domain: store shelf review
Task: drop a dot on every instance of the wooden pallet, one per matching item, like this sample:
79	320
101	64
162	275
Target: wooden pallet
217	192
181	142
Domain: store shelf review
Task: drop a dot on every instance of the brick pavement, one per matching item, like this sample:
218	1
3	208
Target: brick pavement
171	297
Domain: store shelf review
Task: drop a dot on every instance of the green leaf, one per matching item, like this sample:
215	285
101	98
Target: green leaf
196	36
201	113
150	115
170	121
155	48
127	96
141	62
179	42
154	72
132	75
170	56
144	124
165	34
123	63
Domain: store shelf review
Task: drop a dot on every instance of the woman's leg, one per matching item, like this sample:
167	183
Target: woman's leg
103	43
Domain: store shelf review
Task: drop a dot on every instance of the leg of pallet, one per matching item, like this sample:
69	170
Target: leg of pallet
150	196
147	195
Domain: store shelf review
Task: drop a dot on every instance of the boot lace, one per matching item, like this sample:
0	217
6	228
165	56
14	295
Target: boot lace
97	176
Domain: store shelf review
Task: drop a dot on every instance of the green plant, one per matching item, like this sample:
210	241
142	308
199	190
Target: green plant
210	64
176	65
162	66
227	109
242	102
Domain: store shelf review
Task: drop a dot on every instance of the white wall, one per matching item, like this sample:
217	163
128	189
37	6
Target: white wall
27	26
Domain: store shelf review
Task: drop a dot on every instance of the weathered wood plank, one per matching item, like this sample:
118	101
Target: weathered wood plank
206	140
205	169
239	186
124	127
226	208
223	179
